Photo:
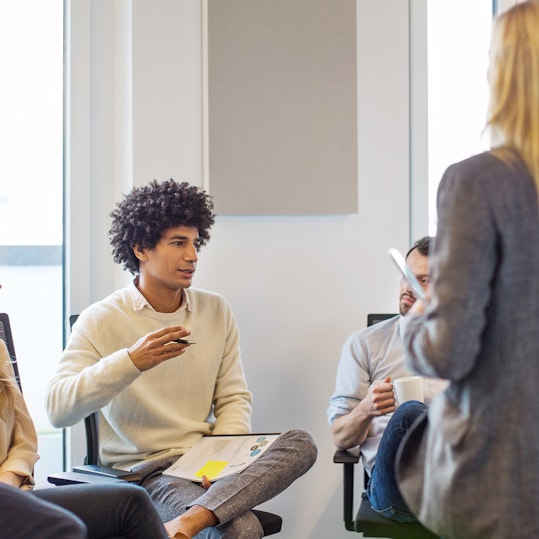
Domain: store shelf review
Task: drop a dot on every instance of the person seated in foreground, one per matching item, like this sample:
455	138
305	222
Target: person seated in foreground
157	394
362	410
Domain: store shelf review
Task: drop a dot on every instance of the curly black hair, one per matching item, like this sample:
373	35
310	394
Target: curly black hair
146	212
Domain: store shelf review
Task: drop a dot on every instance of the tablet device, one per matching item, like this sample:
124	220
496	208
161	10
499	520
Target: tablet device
406	272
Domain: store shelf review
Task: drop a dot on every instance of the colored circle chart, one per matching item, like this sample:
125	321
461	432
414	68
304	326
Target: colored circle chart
255	449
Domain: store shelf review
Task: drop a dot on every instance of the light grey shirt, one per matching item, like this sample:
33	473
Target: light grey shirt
368	355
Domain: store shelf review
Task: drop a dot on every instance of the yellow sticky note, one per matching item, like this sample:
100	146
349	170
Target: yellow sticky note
212	469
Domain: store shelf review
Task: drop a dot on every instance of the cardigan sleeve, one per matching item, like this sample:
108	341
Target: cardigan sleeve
18	447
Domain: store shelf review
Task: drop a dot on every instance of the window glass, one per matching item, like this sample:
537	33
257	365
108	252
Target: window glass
458	43
31	187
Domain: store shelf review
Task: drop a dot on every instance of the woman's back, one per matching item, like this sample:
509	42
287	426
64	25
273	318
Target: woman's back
475	472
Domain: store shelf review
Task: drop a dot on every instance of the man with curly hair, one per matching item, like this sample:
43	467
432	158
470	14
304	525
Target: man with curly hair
131	357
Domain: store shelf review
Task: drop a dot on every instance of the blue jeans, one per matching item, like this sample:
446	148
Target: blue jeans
382	490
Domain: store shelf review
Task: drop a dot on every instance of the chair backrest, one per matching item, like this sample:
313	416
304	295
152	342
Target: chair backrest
90	425
373	318
92	439
7	337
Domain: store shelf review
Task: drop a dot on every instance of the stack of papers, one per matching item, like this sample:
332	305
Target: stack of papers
220	455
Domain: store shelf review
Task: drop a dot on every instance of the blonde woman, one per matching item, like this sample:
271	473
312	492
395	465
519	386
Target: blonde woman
470	467
71	512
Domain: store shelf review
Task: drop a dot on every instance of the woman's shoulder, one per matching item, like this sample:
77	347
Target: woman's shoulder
499	161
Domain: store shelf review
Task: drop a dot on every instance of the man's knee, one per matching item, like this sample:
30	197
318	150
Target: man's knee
407	413
304	442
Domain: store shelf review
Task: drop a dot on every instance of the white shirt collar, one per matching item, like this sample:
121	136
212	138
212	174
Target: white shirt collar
140	302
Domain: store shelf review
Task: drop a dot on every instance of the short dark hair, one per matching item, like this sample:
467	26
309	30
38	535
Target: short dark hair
422	245
146	212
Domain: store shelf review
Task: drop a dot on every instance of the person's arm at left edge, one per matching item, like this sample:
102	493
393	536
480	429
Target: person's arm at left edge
18	445
232	399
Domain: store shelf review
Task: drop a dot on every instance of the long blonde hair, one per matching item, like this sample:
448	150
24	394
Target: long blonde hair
514	83
7	382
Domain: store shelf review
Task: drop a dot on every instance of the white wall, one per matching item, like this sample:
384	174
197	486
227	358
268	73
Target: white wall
299	285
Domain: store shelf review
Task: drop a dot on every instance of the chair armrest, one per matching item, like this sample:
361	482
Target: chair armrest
76	478
107	471
94	473
343	456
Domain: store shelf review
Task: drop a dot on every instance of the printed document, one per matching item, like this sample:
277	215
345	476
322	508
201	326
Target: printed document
220	455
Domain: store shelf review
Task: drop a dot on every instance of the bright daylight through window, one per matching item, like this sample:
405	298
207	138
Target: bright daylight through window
458	43
31	185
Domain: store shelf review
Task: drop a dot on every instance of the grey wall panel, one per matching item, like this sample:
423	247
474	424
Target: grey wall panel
282	111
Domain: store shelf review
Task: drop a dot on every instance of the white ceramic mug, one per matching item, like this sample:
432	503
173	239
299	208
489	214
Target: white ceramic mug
409	388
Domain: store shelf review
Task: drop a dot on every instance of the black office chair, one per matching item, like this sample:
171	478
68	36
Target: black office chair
93	472
7	337
367	520
374	318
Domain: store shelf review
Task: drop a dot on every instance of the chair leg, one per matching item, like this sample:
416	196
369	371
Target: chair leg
348	502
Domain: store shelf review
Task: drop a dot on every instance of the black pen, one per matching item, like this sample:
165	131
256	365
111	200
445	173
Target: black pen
183	341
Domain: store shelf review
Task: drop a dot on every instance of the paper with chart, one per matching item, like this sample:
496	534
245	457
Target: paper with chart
220	455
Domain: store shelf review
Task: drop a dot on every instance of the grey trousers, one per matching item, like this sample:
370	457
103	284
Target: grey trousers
79	512
24	515
232	498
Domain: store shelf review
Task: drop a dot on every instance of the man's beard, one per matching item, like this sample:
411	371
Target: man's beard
404	307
